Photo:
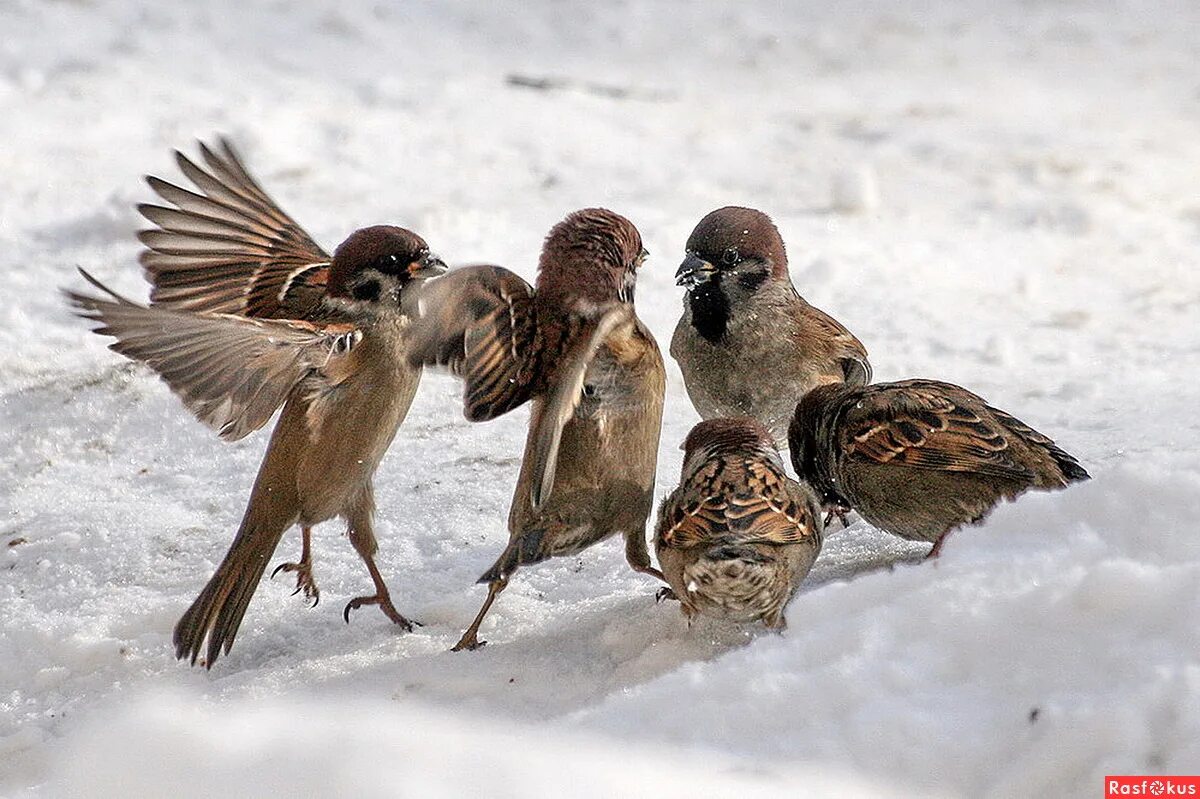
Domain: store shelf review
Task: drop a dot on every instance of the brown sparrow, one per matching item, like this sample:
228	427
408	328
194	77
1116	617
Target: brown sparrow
919	458
747	343
576	348
341	373
738	536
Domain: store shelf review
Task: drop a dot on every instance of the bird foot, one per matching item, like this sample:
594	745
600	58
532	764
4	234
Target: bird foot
385	604
304	580
665	593
469	642
839	512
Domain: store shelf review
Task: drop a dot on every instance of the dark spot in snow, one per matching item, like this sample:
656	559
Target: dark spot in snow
1033	714
18	541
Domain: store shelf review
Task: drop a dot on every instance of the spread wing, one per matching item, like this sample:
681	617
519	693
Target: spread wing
738	498
230	371
479	322
563	399
229	248
925	424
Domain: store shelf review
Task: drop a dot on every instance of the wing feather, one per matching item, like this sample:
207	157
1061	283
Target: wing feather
228	248
230	371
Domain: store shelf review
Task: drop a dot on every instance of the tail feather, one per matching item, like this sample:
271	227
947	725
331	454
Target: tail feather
1072	471
217	613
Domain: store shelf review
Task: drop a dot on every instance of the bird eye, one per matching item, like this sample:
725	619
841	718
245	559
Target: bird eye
730	256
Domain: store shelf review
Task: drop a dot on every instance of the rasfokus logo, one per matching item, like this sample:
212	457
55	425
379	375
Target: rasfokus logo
1139	785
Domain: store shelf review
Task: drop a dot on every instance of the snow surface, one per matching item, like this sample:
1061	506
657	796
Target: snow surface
1026	221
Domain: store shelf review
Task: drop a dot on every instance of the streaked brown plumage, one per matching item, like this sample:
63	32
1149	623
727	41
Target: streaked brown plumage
738	536
341	372
575	347
748	344
919	458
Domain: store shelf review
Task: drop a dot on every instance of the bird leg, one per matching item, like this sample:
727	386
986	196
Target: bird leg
365	546
470	638
303	569
639	557
937	546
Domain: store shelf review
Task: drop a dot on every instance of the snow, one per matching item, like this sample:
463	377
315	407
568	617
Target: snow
1028	227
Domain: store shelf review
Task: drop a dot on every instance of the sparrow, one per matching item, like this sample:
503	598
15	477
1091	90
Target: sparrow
920	458
573	346
748	344
228	269
738	536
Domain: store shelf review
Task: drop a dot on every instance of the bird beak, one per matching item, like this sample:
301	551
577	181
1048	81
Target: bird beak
427	267
694	271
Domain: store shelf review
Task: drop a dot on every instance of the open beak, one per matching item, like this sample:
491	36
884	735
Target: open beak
694	271
427	267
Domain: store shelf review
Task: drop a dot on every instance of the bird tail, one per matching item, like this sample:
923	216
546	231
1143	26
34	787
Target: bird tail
218	611
1072	471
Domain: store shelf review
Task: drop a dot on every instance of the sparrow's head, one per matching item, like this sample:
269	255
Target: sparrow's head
739	582
739	435
375	263
739	249
592	255
808	438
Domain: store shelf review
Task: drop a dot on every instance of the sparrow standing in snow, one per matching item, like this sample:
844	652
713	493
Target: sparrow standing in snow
747	343
337	363
738	536
576	348
919	458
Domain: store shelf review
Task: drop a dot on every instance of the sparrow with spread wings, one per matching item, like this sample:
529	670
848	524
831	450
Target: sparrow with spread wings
920	458
248	315
738	536
574	346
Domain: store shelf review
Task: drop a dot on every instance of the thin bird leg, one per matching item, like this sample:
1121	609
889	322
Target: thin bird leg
303	569
639	557
937	545
365	546
470	638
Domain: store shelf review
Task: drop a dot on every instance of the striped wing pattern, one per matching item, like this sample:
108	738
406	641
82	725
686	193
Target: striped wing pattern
227	247
736	498
231	372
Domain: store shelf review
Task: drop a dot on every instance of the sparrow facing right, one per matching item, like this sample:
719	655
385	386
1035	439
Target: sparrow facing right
920	458
222	261
738	536
576	348
748	344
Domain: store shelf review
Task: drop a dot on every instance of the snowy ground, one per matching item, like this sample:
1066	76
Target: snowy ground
1036	239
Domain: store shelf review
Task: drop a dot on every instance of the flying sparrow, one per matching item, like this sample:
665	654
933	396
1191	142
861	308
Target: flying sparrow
576	348
747	343
340	370
738	536
919	458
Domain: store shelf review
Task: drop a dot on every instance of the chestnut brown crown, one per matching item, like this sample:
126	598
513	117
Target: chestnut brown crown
394	253
732	234
727	434
594	254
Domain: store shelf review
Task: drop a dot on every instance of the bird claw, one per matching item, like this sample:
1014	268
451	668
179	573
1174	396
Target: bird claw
840	512
385	604
663	594
468	643
304	580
